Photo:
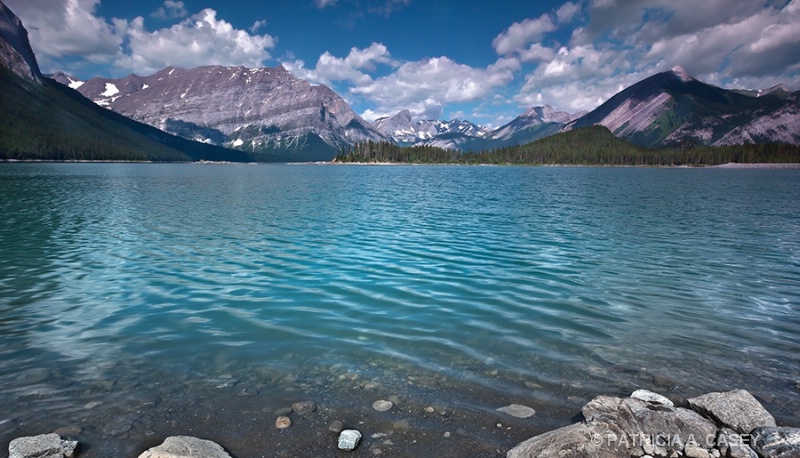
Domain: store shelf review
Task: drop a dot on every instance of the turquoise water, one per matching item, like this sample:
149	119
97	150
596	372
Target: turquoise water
143	300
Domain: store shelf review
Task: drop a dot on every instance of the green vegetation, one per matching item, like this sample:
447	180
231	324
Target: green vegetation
594	145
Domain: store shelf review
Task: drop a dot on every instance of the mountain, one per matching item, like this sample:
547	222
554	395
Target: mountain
673	109
453	134
15	49
41	119
536	123
260	110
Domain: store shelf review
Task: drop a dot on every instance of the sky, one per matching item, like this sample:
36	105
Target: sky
485	61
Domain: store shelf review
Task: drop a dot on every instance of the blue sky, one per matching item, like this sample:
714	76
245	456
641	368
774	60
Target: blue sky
483	61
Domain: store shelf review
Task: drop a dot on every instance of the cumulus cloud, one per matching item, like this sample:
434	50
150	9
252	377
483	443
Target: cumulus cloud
731	43
69	27
171	10
567	11
425	86
66	28
202	39
353	69
519	34
761	43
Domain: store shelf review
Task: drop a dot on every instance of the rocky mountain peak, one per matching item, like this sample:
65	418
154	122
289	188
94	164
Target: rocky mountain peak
682	75
15	49
253	109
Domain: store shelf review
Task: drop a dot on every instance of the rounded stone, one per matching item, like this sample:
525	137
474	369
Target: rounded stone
283	422
348	439
337	426
517	410
304	408
382	405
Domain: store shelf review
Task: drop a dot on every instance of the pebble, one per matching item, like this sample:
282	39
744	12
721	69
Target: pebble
337	426
518	410
69	431
402	425
447	434
382	405
429	410
348	439
284	411
304	408
283	422
248	391
92	404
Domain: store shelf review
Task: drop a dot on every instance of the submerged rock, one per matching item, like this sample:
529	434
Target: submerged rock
517	410
336	426
283	422
737	410
348	439
304	408
186	446
42	446
382	405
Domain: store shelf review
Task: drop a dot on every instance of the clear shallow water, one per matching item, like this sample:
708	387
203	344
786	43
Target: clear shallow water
143	300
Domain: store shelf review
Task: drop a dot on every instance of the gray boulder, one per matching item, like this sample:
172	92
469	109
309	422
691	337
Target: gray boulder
617	427
654	398
42	446
777	442
737	410
734	445
573	441
186	447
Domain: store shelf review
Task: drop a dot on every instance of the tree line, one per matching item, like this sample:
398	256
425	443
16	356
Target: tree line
594	145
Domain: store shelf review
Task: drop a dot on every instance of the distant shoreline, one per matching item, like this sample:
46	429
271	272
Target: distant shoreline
729	165
758	165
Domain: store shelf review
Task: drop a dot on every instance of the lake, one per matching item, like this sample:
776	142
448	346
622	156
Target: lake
139	301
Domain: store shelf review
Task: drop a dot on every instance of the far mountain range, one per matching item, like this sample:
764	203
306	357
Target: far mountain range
268	114
268	109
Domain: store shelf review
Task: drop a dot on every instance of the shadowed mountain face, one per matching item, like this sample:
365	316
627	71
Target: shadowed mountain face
15	49
251	109
674	109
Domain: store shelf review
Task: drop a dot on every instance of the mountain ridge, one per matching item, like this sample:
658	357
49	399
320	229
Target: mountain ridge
251	109
673	109
41	119
535	123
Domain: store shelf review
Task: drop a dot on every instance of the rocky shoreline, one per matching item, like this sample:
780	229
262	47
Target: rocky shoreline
645	425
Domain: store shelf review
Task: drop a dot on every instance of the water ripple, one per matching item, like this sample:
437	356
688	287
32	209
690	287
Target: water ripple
499	277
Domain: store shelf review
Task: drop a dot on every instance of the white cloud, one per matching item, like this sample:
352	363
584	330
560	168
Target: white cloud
68	27
171	10
199	40
567	11
759	44
353	69
257	25
324	3
522	33
536	52
425	86
65	28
